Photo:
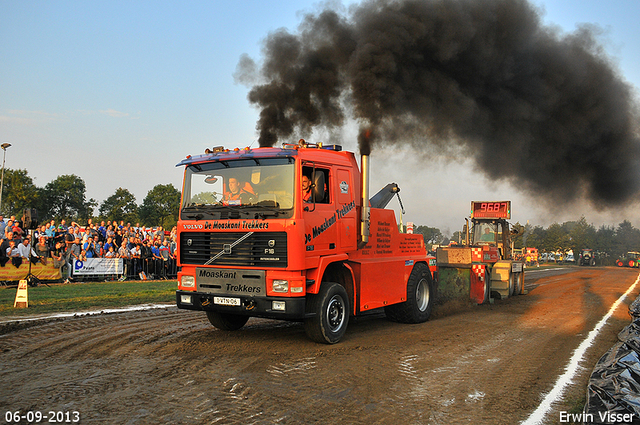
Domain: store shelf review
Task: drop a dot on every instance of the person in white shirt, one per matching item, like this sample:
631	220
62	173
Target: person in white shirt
25	249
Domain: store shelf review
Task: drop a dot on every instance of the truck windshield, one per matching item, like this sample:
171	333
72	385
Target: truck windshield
257	184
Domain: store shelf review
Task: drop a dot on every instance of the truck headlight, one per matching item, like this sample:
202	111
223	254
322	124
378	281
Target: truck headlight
188	281
281	286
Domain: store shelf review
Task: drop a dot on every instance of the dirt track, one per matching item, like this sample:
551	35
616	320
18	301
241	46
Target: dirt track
486	365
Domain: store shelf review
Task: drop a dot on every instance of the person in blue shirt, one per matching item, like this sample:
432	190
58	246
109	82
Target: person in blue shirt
90	248
102	230
157	258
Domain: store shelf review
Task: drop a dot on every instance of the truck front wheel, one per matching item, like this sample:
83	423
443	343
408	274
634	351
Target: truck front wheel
420	293
331	308
227	321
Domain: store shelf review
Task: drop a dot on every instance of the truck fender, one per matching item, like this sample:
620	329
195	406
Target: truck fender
315	275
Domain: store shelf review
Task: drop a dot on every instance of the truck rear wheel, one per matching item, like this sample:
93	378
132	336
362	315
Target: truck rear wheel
420	294
227	321
331	308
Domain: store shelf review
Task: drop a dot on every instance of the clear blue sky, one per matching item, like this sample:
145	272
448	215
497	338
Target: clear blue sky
118	92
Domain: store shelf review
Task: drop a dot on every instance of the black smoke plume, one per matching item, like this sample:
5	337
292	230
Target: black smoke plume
545	110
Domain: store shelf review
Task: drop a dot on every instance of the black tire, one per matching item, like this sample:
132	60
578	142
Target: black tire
227	321
331	308
512	284
420	295
519	279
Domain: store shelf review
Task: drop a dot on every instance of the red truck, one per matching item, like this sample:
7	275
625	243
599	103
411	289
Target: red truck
251	244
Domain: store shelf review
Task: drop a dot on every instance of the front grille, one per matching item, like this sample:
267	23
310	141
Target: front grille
261	249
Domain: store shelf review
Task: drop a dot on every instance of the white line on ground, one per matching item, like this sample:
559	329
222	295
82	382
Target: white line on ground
566	378
527	271
94	312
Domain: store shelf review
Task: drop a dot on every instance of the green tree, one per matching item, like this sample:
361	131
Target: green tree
583	235
557	238
431	235
65	198
161	206
19	193
627	238
536	237
605	239
120	206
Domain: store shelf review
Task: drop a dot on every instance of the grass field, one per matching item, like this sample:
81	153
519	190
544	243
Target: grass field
92	295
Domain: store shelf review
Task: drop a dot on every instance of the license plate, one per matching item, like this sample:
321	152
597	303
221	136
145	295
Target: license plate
226	301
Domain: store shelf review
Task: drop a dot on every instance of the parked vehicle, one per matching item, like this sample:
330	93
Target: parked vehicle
630	259
587	258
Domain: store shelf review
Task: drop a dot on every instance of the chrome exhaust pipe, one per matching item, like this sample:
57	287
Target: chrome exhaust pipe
366	209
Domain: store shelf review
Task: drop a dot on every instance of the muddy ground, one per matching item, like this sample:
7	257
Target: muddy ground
487	364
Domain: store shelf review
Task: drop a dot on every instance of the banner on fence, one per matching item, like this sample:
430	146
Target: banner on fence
11	273
98	266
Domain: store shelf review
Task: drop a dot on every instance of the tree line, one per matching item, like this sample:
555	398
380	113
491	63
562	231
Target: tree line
65	198
576	235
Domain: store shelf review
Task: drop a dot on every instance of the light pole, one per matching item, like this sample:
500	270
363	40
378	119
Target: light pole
4	147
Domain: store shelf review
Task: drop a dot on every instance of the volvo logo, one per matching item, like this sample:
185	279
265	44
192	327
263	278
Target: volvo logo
189	242
272	243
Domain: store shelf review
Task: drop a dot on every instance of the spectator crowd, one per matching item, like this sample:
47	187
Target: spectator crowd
146	252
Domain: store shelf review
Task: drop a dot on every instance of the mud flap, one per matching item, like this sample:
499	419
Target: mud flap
479	291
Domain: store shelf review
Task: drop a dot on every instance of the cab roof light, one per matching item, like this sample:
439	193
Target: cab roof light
337	148
215	149
304	144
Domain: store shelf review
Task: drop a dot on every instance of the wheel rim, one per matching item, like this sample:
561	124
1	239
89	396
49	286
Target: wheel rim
422	295
335	313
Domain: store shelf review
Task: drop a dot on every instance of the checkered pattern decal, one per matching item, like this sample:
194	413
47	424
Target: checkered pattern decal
479	271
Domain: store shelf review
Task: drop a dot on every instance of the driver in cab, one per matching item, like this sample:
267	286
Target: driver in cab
488	236
236	195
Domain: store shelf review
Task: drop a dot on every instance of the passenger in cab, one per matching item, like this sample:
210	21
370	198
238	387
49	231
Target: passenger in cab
306	189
